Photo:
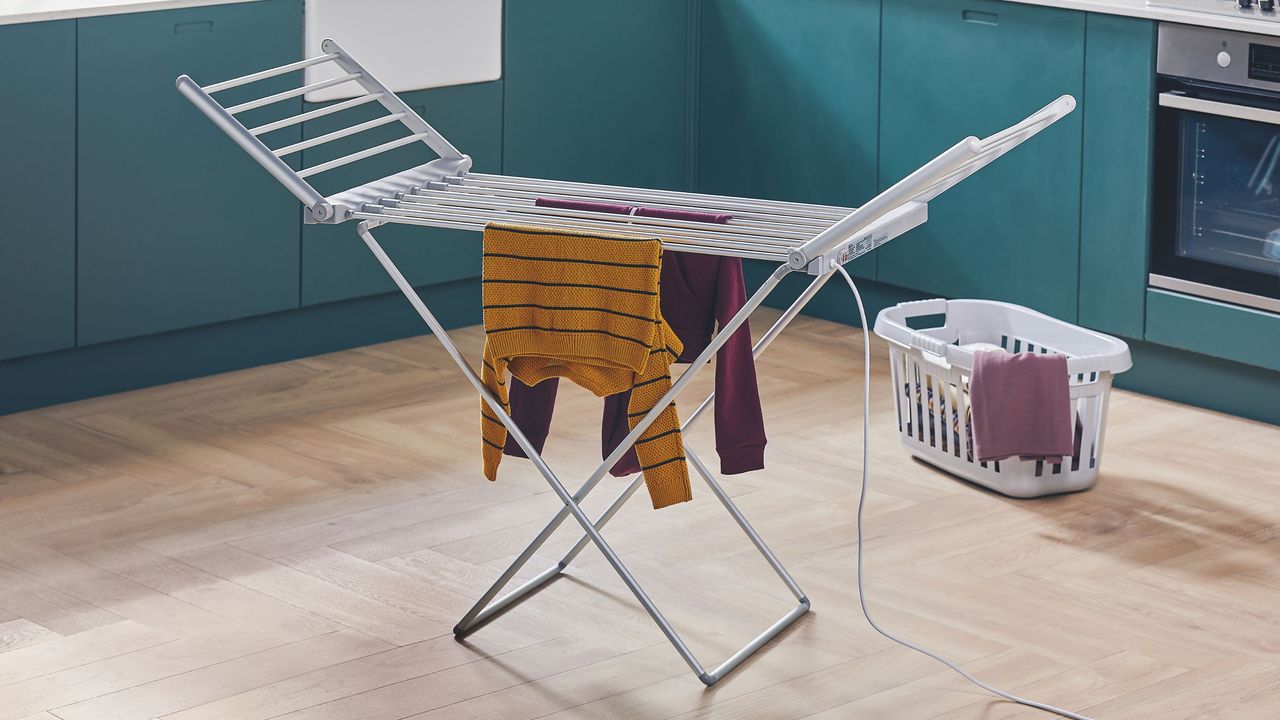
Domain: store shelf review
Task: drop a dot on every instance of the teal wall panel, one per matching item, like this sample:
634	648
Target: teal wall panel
1214	328
788	101
37	182
336	265
1119	116
596	90
177	226
953	68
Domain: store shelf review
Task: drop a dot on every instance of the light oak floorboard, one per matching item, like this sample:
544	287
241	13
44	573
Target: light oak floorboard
297	541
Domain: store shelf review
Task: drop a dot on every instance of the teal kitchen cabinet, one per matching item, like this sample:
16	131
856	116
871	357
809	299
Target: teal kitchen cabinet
177	226
952	68
788	101
336	265
1119	125
1213	328
37	182
597	91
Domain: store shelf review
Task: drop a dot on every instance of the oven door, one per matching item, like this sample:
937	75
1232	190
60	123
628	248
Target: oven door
1216	228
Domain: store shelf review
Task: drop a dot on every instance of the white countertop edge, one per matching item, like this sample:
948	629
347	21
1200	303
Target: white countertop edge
1139	9
26	11
13	12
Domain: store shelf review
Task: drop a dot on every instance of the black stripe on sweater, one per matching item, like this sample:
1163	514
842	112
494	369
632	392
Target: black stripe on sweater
572	285
495	331
642	413
574	233
582	309
493	445
658	436
678	458
494	370
650	382
572	261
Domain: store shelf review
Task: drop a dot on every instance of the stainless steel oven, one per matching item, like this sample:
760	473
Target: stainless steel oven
1216	227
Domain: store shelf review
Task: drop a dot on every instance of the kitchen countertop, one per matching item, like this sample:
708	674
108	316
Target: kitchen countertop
24	11
21	11
1139	8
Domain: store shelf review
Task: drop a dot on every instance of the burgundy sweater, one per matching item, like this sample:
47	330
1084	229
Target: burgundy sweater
699	293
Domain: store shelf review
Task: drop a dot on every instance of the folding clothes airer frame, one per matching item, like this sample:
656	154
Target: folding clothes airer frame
801	237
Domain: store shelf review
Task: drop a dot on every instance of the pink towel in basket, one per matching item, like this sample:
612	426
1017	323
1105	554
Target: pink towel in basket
1021	406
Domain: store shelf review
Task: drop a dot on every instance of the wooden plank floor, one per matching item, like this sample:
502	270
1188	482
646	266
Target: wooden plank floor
296	541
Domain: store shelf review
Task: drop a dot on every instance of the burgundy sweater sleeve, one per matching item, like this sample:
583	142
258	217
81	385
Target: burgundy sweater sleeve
740	436
531	408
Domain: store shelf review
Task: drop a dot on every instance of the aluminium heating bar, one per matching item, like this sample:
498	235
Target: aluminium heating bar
770	231
742	216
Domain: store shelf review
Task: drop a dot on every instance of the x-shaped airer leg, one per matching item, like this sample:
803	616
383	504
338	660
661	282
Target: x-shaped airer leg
486	607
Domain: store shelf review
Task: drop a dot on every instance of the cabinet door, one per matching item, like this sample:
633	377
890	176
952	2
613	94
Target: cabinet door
597	91
788	105
37	182
1119	112
336	265
177	226
953	68
788	101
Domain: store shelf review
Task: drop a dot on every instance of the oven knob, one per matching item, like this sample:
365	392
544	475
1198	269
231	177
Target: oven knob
1267	5
1224	57
1245	4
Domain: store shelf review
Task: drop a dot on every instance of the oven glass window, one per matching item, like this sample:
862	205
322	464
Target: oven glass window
1229	209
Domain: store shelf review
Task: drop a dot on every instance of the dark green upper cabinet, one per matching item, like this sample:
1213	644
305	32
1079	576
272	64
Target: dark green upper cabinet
789	101
953	68
336	265
596	90
1119	117
37	182
177	226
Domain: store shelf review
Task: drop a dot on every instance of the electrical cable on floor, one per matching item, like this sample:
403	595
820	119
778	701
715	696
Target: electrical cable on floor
862	501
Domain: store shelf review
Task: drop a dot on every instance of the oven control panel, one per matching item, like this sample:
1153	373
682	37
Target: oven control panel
1264	62
1220	56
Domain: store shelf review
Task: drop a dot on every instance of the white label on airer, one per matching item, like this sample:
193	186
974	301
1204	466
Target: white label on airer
861	246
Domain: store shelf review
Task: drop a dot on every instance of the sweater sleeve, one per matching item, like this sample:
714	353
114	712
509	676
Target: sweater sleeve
531	409
740	436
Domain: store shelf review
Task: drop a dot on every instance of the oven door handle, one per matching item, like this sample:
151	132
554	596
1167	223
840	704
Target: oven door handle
1179	101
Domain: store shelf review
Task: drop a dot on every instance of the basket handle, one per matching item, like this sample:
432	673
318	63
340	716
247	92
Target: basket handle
891	324
933	346
916	308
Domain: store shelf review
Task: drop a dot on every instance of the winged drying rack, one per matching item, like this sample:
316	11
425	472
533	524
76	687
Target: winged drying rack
801	237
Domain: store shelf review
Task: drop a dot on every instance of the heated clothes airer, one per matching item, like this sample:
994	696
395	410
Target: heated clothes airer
816	240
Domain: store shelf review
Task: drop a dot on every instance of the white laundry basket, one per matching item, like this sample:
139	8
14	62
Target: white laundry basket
931	368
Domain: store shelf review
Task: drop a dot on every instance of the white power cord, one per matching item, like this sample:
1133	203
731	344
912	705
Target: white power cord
862	501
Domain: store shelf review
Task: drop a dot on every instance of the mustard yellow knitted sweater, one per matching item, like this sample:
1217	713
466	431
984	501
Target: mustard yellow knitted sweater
585	307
